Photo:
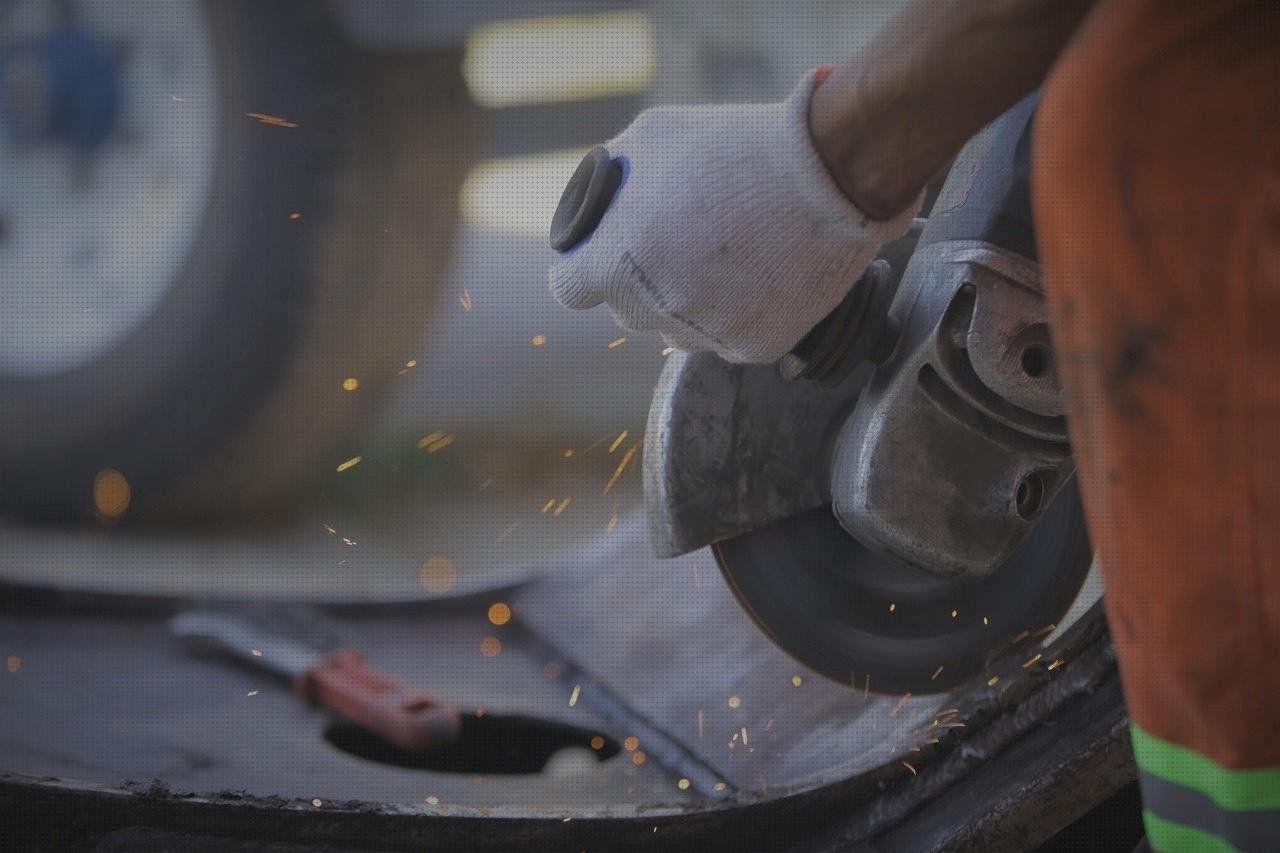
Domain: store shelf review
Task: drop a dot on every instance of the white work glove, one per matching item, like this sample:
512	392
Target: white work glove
728	233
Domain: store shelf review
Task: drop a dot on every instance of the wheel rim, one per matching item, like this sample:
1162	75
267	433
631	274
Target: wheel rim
97	211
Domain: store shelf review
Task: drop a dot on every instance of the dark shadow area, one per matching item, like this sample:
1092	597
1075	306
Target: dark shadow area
507	745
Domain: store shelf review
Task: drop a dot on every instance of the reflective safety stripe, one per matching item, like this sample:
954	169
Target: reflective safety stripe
1194	803
1234	790
1182	808
1169	837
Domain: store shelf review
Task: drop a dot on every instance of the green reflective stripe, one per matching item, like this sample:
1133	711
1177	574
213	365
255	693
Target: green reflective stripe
1235	790
1169	837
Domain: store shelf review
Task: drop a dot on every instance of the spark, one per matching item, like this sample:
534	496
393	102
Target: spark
617	442
719	786
796	681
597	743
176	99
411	363
252	693
683	784
328	527
744	735
866	688
1047	629
549	504
697	581
599	441
668	350
573	697
985	621
295	216
1032	661
892	606
433	800
909	767
257	653
614	344
511	528
735	702
350	383
901	702
955	613
613	518
568	454
350	463
490	647
559	509
317	802
936	673
439	444
465	300
993	680
538	340
499	613
638	758
631	744
13	663
1055	665
1021	637
350	542
700	722
275	121
622	466
934	740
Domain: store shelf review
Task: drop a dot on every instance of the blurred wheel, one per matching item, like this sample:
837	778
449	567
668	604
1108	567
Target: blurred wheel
211	214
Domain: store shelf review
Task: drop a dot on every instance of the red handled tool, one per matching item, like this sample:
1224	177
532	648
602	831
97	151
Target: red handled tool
339	680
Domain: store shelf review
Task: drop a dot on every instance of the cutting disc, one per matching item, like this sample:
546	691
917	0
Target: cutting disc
851	614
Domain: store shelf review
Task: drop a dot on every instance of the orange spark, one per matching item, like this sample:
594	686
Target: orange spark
617	343
499	613
564	503
901	702
465	300
275	121
622	466
350	463
618	441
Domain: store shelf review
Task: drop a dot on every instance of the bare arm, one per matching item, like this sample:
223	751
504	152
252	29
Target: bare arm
940	70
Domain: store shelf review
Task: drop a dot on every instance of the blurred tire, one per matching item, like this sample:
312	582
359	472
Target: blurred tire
228	398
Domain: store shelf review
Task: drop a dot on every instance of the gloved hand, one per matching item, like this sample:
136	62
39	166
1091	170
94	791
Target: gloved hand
727	234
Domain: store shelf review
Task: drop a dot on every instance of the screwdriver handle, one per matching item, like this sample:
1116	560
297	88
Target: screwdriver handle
585	199
409	718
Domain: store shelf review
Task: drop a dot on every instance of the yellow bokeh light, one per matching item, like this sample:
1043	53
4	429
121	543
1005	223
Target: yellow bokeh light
499	613
538	340
735	702
597	742
490	647
350	383
438	575
111	493
631	743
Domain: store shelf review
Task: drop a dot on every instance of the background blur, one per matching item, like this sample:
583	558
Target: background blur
273	314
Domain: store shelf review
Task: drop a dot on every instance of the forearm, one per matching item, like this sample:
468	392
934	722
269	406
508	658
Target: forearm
940	70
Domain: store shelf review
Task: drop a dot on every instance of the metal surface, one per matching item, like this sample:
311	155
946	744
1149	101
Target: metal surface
230	635
864	620
944	465
731	447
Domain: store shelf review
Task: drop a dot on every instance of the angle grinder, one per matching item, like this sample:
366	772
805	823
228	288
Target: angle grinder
895	500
